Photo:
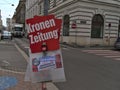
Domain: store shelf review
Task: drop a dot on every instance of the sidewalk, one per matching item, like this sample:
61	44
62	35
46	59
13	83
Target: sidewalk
21	84
87	47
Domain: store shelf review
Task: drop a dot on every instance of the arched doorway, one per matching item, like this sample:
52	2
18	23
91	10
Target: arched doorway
97	26
66	23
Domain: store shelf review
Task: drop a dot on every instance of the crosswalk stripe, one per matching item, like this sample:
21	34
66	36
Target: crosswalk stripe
99	51
117	58
112	56
95	50
105	53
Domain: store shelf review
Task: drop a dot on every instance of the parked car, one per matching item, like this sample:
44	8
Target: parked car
0	35
117	43
6	35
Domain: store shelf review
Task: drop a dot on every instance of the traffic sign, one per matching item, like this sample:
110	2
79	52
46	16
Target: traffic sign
74	25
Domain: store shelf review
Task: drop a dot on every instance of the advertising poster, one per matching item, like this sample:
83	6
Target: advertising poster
46	68
40	63
43	29
45	63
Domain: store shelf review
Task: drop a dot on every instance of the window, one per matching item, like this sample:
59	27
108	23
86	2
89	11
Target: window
54	3
119	29
97	26
66	23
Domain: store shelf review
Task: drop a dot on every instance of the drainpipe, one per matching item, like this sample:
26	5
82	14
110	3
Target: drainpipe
46	6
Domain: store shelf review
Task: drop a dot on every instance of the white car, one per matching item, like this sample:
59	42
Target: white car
6	35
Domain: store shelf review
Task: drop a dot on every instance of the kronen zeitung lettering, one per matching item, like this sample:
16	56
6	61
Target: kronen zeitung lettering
40	36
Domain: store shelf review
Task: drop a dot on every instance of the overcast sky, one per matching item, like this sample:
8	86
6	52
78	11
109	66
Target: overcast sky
7	10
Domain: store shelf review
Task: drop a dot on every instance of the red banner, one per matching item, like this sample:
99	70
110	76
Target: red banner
43	29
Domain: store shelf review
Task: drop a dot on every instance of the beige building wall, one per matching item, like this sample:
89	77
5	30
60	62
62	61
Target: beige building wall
83	11
31	8
0	21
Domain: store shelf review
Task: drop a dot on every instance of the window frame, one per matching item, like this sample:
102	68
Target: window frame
97	26
66	25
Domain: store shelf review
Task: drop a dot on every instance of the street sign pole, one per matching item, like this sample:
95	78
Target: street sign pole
109	25
74	27
43	86
76	36
46	5
44	50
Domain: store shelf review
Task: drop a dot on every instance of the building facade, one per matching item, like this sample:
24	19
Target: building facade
20	12
1	24
9	24
31	8
19	15
97	22
85	22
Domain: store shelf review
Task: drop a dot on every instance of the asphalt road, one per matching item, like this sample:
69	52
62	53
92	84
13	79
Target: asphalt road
10	57
86	71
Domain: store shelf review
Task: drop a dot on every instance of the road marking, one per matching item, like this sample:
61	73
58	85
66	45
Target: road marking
6	62
22	52
112	56
65	48
5	70
26	47
96	50
105	53
117	58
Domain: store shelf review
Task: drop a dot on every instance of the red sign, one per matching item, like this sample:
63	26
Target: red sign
74	25
43	29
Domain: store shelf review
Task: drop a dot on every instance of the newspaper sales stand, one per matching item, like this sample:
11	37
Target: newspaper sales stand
46	63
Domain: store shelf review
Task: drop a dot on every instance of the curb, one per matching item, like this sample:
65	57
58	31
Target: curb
87	47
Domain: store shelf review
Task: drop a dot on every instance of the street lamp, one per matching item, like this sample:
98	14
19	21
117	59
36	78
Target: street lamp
12	5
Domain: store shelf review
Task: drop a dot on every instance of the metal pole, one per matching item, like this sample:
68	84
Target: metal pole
76	37
109	25
46	6
44	86
44	49
109	37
